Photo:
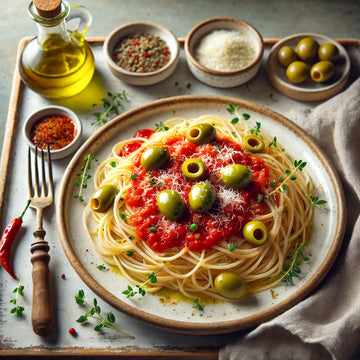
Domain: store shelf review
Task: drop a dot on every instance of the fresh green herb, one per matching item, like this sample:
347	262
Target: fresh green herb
139	289
95	313
130	253
176	83
84	176
133	176
281	184
152	182
293	269
192	227
198	305
161	127
17	310
231	246
101	267
234	110
188	86
111	106
274	144
260	197
112	164
217	147
315	201
152	228
123	217
256	130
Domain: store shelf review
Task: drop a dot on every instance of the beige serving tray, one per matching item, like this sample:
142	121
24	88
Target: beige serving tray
150	342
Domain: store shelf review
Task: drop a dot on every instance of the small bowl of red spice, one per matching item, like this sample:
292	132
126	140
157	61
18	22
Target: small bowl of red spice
141	53
56	127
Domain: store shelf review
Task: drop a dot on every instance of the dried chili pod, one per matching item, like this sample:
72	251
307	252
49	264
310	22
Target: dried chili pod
7	239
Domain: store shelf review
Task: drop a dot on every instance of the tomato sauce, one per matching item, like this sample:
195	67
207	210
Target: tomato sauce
56	131
233	208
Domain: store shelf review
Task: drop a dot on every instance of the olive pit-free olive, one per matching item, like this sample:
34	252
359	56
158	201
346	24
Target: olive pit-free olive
322	71
201	134
230	285
298	72
328	51
253	143
103	198
286	56
193	169
236	176
307	49
202	197
155	157
171	204
255	232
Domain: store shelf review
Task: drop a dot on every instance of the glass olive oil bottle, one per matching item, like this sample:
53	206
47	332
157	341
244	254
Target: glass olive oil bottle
58	63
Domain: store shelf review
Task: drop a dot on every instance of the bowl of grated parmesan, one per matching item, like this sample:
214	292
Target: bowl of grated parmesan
224	52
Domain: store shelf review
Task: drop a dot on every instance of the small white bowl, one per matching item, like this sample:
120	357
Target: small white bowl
216	78
309	90
146	78
48	111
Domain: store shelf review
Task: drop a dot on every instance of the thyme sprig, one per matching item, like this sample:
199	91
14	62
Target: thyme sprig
111	106
139	289
95	313
293	269
234	110
84	176
281	184
315	201
17	310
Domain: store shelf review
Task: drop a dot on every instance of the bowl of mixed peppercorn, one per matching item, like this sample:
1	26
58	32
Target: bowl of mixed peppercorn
141	53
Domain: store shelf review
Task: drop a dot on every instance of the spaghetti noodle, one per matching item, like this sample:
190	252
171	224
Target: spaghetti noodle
187	254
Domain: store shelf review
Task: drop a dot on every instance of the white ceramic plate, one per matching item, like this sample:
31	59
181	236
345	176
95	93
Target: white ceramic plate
329	222
309	90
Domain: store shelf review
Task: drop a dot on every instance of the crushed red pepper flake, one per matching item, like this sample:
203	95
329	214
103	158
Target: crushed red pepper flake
56	131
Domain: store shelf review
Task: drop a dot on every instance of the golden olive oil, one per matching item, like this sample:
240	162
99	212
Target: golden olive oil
57	69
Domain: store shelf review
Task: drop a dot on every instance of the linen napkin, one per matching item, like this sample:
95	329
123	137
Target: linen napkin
326	325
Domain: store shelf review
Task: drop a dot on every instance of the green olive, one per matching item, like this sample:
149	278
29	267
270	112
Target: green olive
286	56
307	49
103	198
255	232
236	176
230	285
201	134
328	51
202	197
253	143
193	169
322	71
171	204
155	157
297	72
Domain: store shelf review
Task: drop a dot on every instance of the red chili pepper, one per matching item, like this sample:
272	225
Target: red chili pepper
166	52
7	239
145	54
136	43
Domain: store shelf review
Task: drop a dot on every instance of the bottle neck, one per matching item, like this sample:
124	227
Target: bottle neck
45	32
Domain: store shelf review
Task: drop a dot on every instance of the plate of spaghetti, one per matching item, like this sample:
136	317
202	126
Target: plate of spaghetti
201	214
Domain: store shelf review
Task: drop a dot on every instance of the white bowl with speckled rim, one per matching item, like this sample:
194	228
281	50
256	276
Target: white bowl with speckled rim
223	79
148	78
49	111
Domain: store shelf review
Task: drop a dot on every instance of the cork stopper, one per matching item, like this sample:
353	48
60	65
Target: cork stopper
48	8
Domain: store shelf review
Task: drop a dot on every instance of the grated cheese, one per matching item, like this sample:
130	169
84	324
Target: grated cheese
225	50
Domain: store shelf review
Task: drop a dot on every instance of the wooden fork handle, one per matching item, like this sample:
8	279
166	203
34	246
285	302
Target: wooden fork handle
41	315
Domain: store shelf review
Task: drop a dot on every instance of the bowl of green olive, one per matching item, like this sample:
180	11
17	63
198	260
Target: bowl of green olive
308	67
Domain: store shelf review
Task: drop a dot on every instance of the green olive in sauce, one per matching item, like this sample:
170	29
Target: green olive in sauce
236	176
201	134
171	204
202	197
155	157
230	285
193	169
255	232
103	198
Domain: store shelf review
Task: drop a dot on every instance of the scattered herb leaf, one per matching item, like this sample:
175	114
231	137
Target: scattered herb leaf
161	127
84	176
231	246
315	201
17	310
198	305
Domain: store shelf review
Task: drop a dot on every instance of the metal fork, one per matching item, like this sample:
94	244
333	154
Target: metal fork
41	197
